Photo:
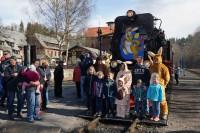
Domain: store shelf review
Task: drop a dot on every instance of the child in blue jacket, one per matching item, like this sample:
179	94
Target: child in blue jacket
110	94
99	84
140	97
155	96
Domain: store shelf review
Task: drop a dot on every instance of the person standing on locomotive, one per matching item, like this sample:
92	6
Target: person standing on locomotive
99	85
110	94
123	107
140	97
155	96
158	67
140	72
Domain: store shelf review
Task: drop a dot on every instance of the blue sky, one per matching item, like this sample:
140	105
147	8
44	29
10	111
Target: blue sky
180	17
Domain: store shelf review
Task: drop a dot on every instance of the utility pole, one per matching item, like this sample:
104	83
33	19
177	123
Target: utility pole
99	32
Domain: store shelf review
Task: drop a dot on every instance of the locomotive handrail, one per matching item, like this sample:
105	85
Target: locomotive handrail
156	19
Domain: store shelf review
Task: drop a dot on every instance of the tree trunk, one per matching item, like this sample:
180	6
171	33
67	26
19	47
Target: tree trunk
67	53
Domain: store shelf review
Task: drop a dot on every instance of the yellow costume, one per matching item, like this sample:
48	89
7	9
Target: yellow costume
158	67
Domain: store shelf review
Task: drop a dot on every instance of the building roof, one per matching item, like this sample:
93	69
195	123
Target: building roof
13	36
92	32
47	42
2	38
5	47
94	51
15	47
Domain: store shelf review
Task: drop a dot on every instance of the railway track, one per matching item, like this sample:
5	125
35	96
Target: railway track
108	125
118	125
194	71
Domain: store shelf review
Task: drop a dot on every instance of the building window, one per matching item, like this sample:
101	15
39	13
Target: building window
1	42
55	53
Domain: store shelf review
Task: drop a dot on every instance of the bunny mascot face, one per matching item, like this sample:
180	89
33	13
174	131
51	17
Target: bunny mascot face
158	67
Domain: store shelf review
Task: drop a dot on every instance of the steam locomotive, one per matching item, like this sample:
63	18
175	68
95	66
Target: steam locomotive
135	34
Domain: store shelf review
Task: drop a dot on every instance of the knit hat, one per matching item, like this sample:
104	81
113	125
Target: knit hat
32	68
13	57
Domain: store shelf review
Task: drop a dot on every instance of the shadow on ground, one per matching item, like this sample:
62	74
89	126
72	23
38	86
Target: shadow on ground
184	131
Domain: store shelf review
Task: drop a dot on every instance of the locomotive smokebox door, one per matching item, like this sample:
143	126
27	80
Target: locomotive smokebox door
128	41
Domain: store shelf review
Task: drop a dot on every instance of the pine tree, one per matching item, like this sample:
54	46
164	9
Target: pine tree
21	27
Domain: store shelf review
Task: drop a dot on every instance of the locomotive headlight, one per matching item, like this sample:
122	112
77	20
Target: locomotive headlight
113	64
130	13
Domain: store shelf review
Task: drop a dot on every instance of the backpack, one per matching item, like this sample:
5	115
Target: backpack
120	94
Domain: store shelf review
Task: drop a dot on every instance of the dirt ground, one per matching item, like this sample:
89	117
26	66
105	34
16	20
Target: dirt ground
185	106
62	113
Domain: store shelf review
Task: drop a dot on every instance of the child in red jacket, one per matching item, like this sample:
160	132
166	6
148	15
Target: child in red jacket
31	75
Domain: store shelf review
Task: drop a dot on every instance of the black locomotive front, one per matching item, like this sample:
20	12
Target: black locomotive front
135	34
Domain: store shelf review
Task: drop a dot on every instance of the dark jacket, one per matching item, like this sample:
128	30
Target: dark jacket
99	85
110	88
58	74
140	94
89	85
44	72
101	67
85	63
12	81
4	64
140	72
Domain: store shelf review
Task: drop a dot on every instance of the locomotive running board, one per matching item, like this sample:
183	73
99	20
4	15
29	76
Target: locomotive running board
151	123
108	119
88	117
116	120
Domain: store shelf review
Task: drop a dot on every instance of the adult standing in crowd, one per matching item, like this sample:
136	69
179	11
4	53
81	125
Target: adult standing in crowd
139	71
58	79
86	62
77	78
45	77
100	66
123	107
5	62
35	66
11	73
33	98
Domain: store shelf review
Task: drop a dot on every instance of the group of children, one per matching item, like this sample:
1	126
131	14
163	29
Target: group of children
147	100
102	92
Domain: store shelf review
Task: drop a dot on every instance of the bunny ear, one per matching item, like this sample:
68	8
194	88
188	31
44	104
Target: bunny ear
110	57
119	61
151	61
151	54
128	62
160	51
